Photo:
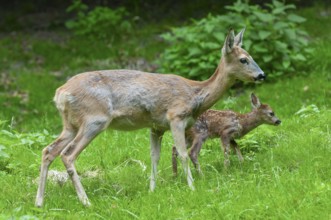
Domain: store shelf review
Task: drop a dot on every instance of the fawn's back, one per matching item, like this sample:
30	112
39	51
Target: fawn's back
230	124
213	124
226	125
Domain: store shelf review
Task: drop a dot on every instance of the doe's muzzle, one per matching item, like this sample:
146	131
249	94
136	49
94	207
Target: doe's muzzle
261	77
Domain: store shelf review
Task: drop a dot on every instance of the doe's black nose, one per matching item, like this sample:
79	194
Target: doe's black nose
261	76
278	122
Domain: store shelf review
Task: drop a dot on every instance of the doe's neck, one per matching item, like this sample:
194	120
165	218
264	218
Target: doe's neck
213	88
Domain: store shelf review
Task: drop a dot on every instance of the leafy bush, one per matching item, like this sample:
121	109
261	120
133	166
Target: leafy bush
102	23
273	37
3	154
39	139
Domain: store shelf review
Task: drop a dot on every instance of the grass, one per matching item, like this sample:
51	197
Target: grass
287	177
286	173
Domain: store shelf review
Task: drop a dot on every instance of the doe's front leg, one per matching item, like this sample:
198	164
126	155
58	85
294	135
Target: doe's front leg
178	133
156	139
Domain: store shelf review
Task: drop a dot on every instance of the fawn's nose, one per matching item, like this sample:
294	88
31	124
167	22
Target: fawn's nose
278	122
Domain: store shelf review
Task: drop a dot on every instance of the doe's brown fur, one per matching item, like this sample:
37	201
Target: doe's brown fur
128	100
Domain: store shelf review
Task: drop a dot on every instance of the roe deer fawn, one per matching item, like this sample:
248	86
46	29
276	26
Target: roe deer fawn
90	102
226	125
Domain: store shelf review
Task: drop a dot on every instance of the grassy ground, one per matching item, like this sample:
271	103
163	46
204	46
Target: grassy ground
286	173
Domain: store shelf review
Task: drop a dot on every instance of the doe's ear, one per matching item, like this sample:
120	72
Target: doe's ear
229	42
238	40
255	101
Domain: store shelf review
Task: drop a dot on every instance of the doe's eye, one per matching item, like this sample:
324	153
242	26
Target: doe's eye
243	61
272	114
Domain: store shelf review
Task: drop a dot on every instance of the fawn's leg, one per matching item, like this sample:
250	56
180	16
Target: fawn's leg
235	146
156	139
226	148
49	153
174	160
178	133
195	150
87	132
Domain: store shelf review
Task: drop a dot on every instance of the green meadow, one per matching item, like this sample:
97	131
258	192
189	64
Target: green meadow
286	173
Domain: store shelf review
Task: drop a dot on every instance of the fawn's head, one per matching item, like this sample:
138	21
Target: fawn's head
239	64
264	111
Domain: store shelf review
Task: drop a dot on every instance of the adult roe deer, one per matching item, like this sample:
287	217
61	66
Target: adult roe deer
128	100
226	125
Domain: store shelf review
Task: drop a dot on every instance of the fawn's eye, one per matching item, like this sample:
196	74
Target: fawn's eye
243	61
272	114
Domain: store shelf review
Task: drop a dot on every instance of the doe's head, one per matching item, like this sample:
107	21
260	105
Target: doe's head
240	65
264	112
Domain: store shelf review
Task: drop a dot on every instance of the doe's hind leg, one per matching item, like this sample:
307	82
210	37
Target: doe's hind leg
87	132
49	153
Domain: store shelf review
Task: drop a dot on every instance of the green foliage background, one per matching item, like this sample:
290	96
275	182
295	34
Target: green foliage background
274	37
286	173
100	23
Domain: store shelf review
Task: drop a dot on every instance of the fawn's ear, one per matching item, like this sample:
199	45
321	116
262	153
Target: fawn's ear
229	42
255	101
238	40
